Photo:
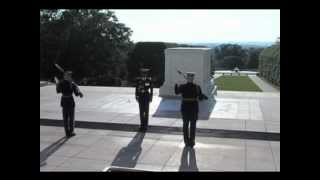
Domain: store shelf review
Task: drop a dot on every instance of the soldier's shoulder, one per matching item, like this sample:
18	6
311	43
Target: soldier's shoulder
198	86
138	80
182	85
63	81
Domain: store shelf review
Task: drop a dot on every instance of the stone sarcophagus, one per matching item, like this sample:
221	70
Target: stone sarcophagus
196	60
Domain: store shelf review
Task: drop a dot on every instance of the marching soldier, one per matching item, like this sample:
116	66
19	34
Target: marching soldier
67	87
191	93
144	93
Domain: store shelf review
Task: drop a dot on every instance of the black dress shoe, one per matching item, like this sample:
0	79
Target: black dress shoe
70	134
191	143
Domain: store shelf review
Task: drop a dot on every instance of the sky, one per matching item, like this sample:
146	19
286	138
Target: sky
201	26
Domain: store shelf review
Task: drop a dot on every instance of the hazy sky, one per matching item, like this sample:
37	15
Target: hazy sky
201	25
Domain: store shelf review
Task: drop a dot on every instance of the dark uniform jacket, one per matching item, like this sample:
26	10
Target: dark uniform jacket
191	93
67	89
144	89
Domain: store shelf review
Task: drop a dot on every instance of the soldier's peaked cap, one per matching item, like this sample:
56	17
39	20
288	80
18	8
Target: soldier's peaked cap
190	74
144	69
68	72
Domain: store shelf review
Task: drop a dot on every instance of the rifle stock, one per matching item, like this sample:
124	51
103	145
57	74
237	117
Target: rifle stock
58	67
182	73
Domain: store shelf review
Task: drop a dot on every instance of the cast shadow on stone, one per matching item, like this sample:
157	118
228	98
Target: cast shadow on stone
48	151
129	155
170	108
188	153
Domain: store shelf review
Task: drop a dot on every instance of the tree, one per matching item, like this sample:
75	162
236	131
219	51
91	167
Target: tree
231	62
278	41
230	53
151	55
269	63
92	43
253	58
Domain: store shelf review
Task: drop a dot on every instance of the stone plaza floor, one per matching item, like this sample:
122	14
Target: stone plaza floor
242	133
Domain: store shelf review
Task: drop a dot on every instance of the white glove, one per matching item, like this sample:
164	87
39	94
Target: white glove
56	80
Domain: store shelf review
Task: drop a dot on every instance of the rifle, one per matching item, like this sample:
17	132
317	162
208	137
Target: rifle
57	80
58	67
181	73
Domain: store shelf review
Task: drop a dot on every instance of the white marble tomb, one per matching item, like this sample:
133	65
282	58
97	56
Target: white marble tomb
196	60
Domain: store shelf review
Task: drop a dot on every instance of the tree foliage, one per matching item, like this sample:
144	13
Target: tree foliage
253	58
231	62
150	55
229	56
269	63
92	43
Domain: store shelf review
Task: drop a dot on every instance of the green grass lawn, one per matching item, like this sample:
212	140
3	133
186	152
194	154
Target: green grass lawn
236	83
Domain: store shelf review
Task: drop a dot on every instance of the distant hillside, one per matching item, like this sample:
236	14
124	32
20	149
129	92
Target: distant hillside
243	44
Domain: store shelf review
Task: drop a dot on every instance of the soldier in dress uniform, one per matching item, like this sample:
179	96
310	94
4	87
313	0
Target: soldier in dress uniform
144	93
191	93
67	87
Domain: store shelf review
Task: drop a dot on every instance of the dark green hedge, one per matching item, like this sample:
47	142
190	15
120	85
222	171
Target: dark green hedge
269	64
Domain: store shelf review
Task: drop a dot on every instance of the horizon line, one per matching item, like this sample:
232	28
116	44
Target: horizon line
205	42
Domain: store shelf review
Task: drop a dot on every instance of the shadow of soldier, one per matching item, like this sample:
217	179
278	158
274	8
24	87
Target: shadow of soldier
48	151
190	165
129	155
